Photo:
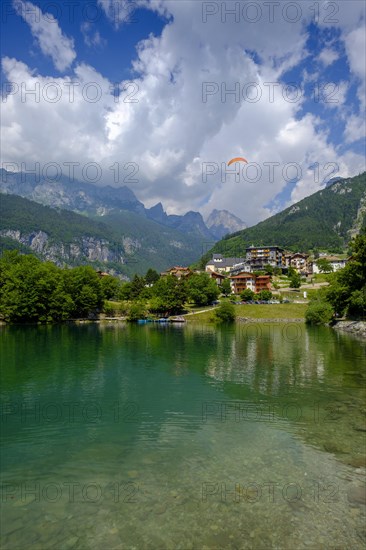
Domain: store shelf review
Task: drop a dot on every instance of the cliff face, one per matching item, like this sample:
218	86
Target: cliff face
88	249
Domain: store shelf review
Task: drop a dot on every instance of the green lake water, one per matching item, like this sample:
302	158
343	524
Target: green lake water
178	437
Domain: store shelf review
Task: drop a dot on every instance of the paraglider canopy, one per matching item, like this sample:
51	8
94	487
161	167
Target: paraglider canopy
237	159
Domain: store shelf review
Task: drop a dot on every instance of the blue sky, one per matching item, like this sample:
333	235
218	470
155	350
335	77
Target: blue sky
173	126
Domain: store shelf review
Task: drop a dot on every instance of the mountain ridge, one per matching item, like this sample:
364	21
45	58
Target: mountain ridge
327	219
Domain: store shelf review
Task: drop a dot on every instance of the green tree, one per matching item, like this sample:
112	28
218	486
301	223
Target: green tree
324	265
157	305
110	287
172	293
125	292
269	269
30	290
85	289
202	289
225	287
347	289
137	286
151	276
247	295
137	311
265	295
295	280
357	303
318	313
225	312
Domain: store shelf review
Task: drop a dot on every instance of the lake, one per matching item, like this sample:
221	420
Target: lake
182	437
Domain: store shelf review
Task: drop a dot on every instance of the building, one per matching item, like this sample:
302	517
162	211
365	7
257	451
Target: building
178	271
245	280
219	264
217	277
262	282
260	256
239	268
336	263
298	261
242	281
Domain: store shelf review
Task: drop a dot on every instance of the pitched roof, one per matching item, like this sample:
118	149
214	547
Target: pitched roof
243	275
227	262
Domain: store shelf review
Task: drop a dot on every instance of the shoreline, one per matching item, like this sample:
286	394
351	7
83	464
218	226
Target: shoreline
269	320
357	328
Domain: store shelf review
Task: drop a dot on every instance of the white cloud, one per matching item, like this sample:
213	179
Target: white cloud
91	36
171	130
119	11
328	56
355	129
48	34
356	50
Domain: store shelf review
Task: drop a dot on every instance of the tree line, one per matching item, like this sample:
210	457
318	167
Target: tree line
36	291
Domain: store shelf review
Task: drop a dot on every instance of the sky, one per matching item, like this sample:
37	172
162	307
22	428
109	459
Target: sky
160	95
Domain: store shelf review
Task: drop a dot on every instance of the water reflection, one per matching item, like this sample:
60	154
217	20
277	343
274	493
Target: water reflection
166	416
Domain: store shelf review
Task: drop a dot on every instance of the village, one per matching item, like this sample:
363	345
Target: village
255	271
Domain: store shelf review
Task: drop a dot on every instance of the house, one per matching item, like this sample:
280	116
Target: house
262	282
178	271
238	268
242	281
245	280
260	256
217	277
298	261
219	264
336	263
102	274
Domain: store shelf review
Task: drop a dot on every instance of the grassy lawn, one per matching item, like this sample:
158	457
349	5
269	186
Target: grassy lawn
259	311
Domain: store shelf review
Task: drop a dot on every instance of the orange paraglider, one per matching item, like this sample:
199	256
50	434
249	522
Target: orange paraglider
237	159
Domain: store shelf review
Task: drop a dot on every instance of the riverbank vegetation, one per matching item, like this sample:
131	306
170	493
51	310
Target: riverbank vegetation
346	294
34	291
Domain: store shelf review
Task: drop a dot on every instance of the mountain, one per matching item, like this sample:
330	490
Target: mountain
334	180
123	242
63	237
70	194
190	223
325	220
222	222
85	198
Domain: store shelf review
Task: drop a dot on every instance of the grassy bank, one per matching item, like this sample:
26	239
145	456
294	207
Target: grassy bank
258	311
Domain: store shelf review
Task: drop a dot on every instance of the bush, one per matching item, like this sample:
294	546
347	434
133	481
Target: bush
108	309
318	313
225	313
357	304
265	295
295	280
137	311
123	308
247	295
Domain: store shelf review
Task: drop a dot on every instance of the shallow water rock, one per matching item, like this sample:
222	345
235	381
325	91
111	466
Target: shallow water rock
69	543
357	495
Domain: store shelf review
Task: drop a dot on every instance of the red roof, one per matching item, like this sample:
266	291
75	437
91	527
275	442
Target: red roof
243	276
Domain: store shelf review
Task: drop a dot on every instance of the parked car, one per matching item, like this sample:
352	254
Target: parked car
215	302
